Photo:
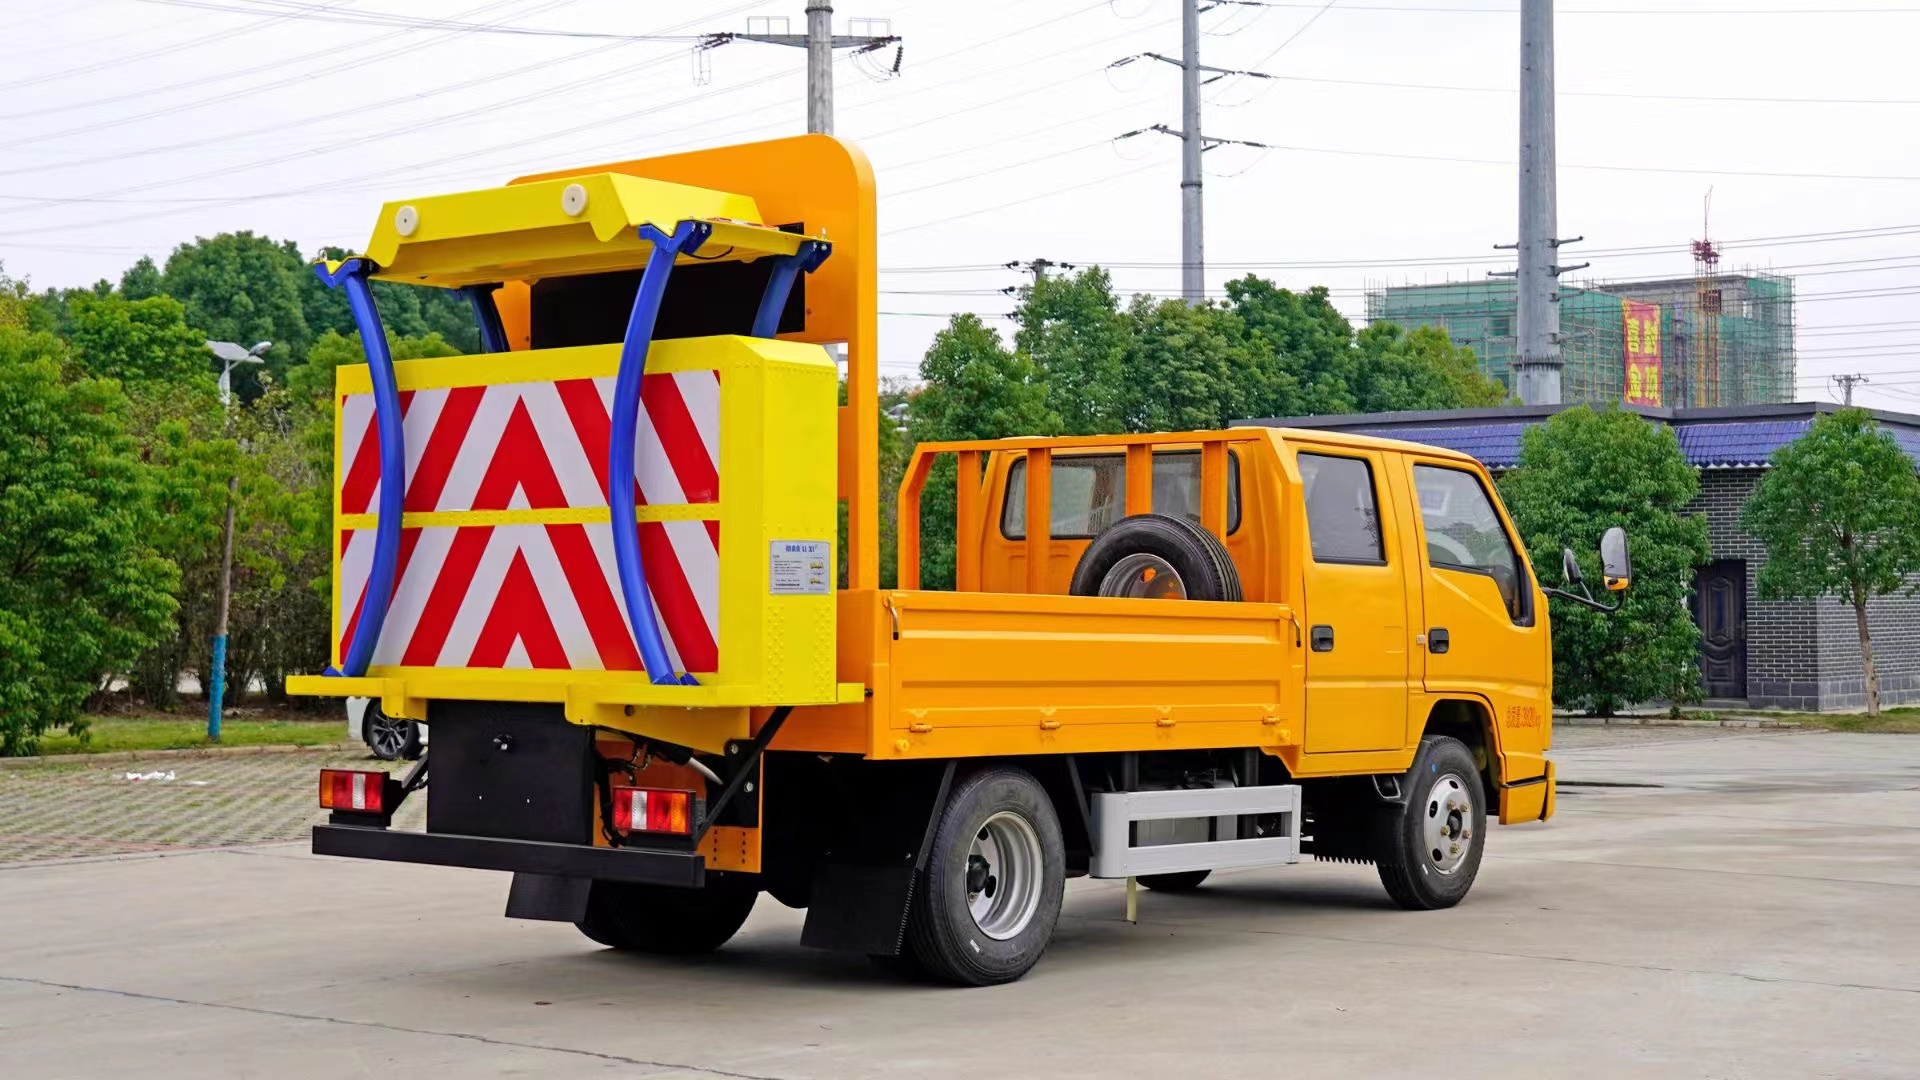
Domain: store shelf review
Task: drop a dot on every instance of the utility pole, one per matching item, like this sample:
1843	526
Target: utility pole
820	42
1847	383
1193	143
1193	243
1538	366
1038	268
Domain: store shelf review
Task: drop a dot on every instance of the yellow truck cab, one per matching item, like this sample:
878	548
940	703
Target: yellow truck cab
600	562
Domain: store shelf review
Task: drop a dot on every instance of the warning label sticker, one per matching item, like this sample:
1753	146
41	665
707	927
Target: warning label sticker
801	567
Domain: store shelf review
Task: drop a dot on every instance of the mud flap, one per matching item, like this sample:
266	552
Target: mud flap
861	909
548	897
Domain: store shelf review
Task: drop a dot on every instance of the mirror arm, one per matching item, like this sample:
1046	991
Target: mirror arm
1585	601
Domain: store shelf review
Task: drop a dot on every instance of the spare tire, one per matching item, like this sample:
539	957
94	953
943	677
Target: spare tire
1157	557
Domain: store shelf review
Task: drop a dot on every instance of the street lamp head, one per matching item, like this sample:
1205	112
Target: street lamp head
228	351
231	353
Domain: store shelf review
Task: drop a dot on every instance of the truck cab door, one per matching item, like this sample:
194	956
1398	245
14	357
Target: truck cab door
1480	635
1355	605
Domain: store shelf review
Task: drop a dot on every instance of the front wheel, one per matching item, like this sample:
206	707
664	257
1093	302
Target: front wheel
1428	850
665	920
995	878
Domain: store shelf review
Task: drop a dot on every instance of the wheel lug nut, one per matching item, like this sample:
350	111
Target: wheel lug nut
1453	849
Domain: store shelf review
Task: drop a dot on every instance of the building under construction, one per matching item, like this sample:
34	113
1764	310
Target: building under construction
1687	342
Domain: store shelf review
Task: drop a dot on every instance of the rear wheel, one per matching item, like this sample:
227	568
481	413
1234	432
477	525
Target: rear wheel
995	877
1428	851
1185	881
664	920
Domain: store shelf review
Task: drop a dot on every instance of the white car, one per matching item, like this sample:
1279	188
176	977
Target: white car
388	738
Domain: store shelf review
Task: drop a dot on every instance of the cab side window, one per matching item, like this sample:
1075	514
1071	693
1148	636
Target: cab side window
1464	534
1343	516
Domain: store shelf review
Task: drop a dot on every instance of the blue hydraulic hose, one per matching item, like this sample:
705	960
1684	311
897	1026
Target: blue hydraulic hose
352	277
686	238
766	321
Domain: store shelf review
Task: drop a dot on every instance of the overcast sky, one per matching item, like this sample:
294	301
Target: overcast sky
127	126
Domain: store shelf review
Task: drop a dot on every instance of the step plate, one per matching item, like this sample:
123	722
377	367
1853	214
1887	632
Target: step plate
1114	814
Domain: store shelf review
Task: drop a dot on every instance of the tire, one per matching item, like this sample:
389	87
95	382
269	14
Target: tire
1130	557
989	899
388	738
667	921
1446	807
1185	881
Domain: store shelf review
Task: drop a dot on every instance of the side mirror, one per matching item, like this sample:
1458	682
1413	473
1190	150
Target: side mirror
1569	567
1616	567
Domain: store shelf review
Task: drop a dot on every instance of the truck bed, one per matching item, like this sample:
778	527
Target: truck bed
956	674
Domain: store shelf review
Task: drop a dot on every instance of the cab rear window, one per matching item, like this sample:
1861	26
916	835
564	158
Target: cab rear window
1090	492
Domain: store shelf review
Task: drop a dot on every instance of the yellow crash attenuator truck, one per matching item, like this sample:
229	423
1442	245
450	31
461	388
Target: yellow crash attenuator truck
602	561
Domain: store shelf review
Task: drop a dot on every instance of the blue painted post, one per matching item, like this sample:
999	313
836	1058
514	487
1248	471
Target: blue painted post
217	685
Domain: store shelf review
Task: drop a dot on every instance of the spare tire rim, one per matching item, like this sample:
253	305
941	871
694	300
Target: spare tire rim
386	735
1446	823
1145	576
1003	875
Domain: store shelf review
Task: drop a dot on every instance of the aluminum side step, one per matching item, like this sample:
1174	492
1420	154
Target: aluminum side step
1116	853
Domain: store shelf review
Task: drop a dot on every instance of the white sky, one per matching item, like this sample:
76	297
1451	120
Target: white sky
127	126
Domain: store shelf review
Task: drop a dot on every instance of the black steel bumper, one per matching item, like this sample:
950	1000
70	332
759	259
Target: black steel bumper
648	866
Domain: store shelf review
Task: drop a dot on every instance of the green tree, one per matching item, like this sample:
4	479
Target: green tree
975	388
243	288
15	301
1581	473
1186	367
1073	333
139	341
1301	347
1839	513
142	280
1421	368
82	592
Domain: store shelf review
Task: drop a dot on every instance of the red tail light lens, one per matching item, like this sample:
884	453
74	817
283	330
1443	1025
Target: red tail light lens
345	789
652	810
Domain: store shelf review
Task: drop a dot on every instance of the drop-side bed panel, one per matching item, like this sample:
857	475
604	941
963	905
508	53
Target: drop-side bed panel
994	672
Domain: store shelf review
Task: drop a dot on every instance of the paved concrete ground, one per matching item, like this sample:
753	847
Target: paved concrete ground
1753	916
167	802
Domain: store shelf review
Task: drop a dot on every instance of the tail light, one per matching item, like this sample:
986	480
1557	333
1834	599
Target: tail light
652	810
345	789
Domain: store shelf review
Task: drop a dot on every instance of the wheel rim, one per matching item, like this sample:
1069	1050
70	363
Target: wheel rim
1446	819
1003	875
1145	576
387	736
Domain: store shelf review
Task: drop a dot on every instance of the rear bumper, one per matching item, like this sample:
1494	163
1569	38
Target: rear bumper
647	866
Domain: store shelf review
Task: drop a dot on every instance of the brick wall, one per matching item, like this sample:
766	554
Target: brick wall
1783	641
1806	654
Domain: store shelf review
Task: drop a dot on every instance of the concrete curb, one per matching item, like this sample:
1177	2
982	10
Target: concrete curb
1742	722
197	751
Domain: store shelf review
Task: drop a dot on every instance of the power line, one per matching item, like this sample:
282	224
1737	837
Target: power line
309	13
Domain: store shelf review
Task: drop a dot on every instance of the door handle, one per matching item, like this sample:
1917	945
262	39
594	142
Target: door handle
1322	638
1437	640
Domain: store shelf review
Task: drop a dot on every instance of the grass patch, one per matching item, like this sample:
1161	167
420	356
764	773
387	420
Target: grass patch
1889	722
171	731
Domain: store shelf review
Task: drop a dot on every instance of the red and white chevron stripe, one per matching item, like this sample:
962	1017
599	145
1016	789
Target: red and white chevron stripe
536	595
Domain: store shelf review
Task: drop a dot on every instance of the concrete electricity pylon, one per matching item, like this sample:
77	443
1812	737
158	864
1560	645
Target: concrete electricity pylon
1193	224
1847	383
820	42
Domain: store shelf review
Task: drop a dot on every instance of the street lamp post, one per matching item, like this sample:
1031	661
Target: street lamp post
229	355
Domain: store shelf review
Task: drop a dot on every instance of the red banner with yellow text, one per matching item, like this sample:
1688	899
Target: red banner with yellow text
1643	352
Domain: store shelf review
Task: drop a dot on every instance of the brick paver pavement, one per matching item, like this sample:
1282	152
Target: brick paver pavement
71	809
